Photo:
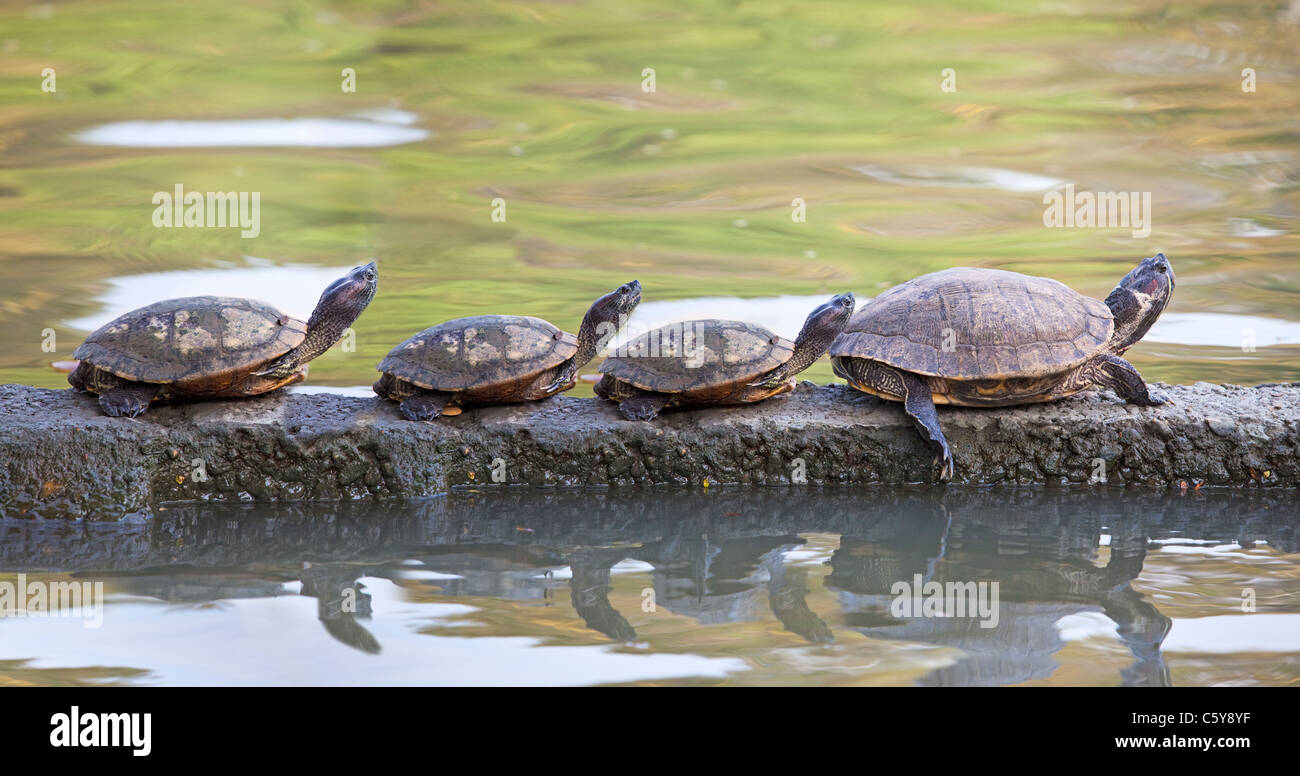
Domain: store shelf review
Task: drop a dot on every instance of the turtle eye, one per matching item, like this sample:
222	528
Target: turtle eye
1161	267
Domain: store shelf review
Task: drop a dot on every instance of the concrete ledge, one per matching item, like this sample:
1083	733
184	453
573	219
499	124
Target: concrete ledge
59	456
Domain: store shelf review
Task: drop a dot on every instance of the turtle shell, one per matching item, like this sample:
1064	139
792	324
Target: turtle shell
212	341
479	352
994	324
693	355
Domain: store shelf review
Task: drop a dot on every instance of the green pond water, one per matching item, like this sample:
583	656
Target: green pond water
689	188
729	586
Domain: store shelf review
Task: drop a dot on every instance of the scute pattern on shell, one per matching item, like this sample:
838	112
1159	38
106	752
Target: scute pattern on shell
698	354
479	352
1003	324
199	336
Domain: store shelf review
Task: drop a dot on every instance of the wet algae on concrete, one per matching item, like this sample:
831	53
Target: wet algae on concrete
62	457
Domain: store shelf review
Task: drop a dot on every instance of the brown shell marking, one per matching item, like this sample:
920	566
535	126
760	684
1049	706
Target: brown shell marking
1003	325
198	344
482	352
696	355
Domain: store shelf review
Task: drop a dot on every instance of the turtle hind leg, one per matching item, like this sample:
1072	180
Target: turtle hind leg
82	377
1123	378
645	405
127	399
425	405
919	405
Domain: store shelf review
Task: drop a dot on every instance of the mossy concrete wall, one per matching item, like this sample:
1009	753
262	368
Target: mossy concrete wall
60	456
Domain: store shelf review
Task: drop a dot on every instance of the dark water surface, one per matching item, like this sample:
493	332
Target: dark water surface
719	586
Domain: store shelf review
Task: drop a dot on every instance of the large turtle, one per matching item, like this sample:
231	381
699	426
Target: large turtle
990	338
496	359
212	346
712	362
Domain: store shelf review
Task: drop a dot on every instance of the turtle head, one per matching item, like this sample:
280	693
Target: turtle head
349	295
820	329
1139	299
617	304
825	323
339	306
607	315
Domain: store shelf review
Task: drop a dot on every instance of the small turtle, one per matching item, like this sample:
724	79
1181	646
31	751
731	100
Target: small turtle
990	338
496	359
212	346
711	362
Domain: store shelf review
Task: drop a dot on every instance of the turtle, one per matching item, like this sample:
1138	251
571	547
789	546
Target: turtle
496	359
212	346
993	338
715	362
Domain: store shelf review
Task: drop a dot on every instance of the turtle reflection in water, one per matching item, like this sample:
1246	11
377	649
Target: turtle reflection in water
990	338
212	346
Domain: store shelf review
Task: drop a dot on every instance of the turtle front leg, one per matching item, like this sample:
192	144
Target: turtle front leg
772	379
645	405
564	378
127	399
1110	371
282	367
425	405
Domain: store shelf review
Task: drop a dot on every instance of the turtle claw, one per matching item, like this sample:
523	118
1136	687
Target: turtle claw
425	406
418	411
639	412
274	369
643	407
417	414
561	383
123	405
770	380
1159	397
944	463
